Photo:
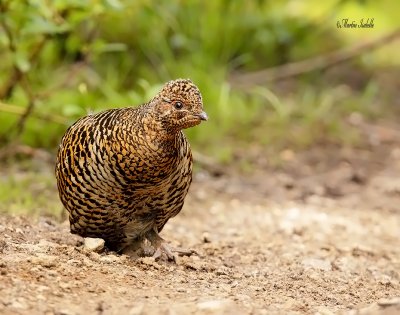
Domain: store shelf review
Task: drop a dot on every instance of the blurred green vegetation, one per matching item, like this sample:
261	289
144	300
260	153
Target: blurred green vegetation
29	191
63	58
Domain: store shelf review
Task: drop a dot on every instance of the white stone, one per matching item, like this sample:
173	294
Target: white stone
94	244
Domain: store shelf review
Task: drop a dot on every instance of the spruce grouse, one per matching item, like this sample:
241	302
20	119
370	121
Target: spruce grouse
123	173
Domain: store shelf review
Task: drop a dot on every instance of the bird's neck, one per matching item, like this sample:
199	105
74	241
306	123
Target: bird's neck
160	137
157	130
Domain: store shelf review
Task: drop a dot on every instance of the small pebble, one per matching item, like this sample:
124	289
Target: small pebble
206	238
94	244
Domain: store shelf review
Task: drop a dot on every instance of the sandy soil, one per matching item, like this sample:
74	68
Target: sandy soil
322	238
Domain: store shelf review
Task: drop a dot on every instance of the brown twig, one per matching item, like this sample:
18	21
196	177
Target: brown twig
16	74
20	124
317	63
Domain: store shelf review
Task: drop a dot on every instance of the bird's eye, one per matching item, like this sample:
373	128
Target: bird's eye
178	105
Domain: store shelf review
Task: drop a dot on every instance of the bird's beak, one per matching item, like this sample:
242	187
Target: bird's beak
203	116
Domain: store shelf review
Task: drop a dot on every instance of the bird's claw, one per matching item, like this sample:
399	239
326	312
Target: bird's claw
166	250
161	248
184	252
171	253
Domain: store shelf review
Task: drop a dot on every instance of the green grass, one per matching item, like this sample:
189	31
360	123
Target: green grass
28	192
259	115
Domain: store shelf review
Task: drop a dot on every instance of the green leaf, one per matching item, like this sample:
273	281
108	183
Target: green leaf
39	25
115	4
99	46
22	61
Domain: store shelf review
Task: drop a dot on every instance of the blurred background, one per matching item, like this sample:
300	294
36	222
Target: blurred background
287	85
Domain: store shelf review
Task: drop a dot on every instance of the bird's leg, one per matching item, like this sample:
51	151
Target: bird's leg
161	246
134	248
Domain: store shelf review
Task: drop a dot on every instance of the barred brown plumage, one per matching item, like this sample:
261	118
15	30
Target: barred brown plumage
123	173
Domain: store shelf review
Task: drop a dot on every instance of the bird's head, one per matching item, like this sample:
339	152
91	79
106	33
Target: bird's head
179	105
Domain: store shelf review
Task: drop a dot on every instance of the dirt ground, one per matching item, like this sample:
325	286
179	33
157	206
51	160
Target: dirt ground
319	235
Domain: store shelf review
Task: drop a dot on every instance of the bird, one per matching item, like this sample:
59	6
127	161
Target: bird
123	173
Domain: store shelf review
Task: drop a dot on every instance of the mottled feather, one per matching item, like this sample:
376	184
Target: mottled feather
123	173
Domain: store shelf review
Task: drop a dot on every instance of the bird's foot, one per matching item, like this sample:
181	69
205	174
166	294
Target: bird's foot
162	249
171	252
135	249
184	251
